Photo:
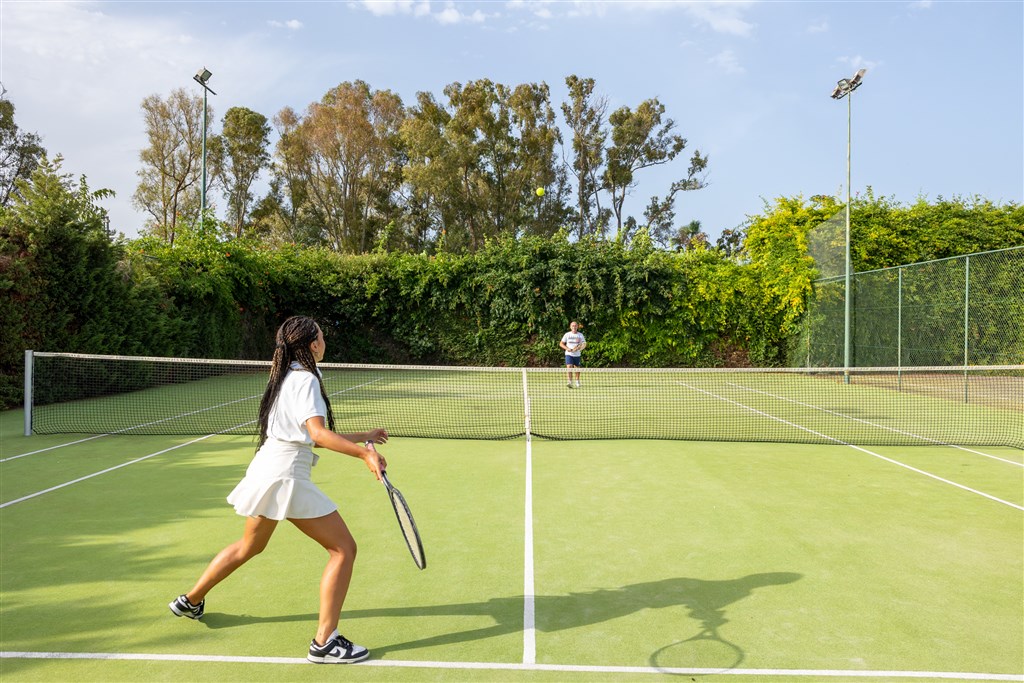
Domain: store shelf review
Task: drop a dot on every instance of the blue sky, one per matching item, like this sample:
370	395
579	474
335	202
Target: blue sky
940	113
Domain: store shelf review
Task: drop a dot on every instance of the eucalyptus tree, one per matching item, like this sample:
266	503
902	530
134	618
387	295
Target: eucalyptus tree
285	215
642	139
586	114
338	163
20	153
476	163
237	156
430	174
171	163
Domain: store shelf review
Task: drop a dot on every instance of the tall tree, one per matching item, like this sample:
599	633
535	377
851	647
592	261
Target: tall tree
585	114
20	153
285	215
237	156
481	159
171	162
661	213
339	160
640	139
432	174
381	186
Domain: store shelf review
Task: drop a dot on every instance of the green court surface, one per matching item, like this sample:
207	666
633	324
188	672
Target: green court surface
603	560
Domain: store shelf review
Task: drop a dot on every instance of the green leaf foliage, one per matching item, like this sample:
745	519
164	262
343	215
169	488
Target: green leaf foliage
67	286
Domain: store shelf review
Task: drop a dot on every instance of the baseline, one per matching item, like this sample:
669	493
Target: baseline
500	666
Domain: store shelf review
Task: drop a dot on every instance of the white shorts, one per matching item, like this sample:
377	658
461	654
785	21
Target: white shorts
277	484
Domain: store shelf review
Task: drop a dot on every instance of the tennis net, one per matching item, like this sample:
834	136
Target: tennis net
77	393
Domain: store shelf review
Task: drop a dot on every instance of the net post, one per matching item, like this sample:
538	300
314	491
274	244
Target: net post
967	317
899	330
28	392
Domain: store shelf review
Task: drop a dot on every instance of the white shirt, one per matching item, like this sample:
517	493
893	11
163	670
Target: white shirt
572	339
298	401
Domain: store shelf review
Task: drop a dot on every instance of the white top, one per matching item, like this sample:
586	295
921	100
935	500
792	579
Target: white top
573	339
277	484
298	401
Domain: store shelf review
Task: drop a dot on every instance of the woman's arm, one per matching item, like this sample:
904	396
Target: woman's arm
325	438
374	435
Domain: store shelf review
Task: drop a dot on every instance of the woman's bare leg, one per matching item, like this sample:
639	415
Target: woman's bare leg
332	533
258	531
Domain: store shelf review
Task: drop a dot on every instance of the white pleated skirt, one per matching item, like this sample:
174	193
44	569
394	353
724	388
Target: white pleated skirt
277	484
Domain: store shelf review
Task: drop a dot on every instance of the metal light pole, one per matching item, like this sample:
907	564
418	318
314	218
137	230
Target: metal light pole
202	77
844	88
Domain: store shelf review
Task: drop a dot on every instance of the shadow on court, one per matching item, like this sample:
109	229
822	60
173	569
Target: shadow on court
225	620
704	601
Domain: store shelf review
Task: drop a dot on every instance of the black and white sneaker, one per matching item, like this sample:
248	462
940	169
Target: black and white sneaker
183	608
337	650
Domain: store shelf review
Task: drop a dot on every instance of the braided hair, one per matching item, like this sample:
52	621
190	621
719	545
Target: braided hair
292	345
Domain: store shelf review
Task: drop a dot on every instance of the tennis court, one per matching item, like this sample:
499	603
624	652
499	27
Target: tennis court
805	536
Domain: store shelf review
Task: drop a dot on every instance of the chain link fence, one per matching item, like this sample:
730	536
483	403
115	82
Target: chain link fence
965	310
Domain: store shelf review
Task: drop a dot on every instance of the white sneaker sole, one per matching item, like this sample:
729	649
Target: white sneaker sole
329	660
179	613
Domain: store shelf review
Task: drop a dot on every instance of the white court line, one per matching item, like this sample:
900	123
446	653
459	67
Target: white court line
60	445
173	417
529	607
862	450
509	666
96	474
146	424
875	424
151	455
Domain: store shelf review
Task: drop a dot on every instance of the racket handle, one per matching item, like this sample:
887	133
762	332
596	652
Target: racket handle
383	476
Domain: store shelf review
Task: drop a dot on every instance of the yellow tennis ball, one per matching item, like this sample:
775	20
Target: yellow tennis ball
540	191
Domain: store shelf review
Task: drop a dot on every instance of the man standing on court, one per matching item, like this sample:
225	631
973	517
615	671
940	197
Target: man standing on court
573	344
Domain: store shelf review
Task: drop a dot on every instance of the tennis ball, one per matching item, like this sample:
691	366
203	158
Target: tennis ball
540	191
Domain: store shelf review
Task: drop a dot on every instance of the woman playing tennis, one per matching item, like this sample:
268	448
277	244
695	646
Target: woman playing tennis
277	486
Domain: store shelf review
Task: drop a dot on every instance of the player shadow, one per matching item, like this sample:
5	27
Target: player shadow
217	620
704	600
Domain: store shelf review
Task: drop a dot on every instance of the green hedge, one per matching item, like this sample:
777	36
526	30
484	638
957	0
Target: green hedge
66	286
508	304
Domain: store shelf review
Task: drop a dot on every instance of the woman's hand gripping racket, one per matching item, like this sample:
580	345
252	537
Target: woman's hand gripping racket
405	521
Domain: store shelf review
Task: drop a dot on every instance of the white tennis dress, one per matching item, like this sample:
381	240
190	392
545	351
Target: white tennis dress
277	484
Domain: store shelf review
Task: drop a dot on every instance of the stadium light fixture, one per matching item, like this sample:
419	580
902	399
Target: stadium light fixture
844	88
202	77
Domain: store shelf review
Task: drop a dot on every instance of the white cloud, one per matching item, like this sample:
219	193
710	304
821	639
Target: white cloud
393	7
722	17
727	61
449	13
921	4
819	27
293	24
858	62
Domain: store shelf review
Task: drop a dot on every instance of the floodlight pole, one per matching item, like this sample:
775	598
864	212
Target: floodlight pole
845	88
201	77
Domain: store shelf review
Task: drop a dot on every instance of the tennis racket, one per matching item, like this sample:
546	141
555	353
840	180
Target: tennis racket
405	521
